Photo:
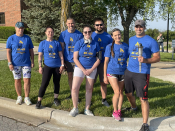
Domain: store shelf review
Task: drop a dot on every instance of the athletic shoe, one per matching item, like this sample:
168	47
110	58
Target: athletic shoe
27	101
69	97
119	113
144	127
19	100
73	112
106	103
38	105
129	109
56	102
116	116
88	112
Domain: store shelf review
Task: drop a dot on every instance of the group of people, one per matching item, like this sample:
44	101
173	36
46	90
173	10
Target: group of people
87	54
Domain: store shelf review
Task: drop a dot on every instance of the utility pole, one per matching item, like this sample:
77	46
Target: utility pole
65	12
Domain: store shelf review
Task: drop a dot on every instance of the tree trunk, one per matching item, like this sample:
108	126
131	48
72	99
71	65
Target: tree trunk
65	12
126	34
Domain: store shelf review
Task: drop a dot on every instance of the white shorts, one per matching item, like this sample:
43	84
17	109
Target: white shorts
26	70
78	72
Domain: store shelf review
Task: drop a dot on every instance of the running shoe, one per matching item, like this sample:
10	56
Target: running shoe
19	100
56	102
27	101
88	112
116	116
38	105
144	127
73	112
129	109
69	97
105	103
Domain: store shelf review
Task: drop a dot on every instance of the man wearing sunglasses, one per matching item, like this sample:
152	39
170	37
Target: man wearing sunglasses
136	79
68	38
103	38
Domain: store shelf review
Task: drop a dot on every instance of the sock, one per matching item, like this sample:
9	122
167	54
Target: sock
134	108
103	100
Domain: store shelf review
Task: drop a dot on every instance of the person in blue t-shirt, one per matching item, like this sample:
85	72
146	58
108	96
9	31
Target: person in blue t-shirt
136	76
103	40
68	38
85	52
53	64
116	55
19	52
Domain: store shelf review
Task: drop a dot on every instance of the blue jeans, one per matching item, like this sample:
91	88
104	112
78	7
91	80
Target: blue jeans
161	44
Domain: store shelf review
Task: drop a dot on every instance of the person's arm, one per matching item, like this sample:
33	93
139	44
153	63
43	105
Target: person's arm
40	57
77	62
89	71
32	57
105	70
155	58
62	46
9	59
62	61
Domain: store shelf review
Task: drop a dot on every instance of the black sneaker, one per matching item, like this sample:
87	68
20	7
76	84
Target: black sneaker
69	97
38	105
144	127
56	102
129	109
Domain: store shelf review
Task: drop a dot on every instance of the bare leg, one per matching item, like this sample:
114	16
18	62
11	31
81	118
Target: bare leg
121	86
145	109
18	86
103	89
75	90
70	79
26	86
89	88
131	99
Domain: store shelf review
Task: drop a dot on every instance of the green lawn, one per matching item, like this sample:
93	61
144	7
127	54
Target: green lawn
167	57
161	95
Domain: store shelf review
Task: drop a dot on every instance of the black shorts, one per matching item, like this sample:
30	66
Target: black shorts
100	71
69	66
119	77
138	82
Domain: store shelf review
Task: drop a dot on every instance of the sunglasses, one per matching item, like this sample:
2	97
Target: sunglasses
87	32
98	24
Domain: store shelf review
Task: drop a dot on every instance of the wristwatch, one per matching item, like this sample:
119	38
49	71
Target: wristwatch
62	65
9	63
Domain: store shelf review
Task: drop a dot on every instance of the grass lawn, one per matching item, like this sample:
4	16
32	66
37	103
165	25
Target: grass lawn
167	57
161	95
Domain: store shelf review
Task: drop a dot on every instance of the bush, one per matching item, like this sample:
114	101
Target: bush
5	31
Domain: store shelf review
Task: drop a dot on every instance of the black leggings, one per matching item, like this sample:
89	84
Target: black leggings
47	74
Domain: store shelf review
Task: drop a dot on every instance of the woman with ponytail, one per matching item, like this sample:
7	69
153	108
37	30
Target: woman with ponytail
115	64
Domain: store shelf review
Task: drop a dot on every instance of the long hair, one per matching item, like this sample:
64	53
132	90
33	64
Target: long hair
113	42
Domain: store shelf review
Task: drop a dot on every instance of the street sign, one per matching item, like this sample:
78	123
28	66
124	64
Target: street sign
173	47
173	43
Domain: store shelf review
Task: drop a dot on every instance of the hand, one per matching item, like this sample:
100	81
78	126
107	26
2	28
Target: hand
88	72
141	59
61	69
11	67
84	71
32	65
105	80
40	70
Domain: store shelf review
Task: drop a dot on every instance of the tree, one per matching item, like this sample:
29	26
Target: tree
39	15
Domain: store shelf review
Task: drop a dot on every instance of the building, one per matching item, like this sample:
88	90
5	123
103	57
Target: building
10	12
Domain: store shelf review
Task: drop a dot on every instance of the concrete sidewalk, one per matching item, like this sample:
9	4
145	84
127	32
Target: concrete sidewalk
55	120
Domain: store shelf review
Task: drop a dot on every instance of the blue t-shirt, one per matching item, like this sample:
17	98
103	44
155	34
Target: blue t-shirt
103	40
118	63
20	47
50	50
87	53
149	46
69	39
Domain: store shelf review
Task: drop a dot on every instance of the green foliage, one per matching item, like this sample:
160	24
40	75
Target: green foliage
39	15
5	31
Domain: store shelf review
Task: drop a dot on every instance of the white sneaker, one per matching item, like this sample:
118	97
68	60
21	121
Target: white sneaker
73	112
19	100
27	101
106	103
88	112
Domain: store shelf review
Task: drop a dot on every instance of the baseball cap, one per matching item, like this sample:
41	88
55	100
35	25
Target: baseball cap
19	24
140	22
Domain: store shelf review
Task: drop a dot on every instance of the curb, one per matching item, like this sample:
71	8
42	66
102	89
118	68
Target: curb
58	117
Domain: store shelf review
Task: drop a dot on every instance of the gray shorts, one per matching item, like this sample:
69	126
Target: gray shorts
100	72
69	66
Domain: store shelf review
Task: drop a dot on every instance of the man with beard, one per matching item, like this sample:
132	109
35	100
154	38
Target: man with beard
136	79
68	38
103	39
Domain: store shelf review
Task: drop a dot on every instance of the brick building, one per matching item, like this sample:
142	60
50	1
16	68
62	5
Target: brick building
10	12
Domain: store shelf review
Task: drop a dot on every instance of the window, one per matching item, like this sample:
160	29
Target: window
2	18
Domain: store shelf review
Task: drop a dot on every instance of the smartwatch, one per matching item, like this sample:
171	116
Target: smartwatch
9	63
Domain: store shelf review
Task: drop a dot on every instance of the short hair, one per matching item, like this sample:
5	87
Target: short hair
98	19
70	18
87	26
49	27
